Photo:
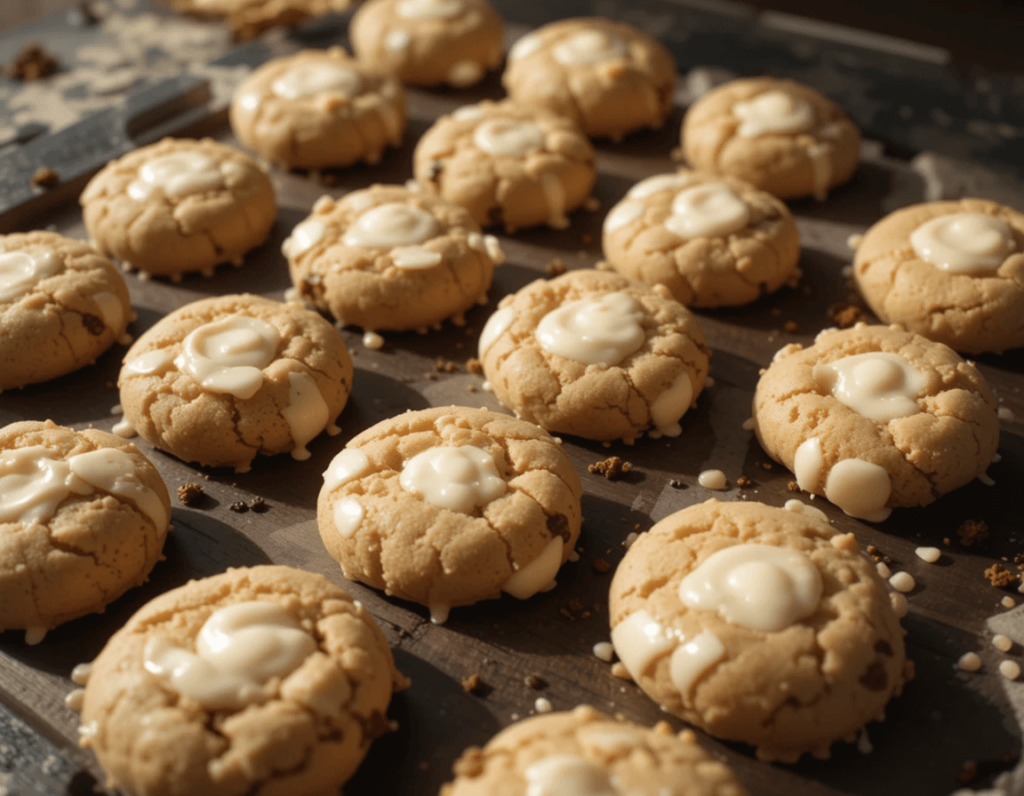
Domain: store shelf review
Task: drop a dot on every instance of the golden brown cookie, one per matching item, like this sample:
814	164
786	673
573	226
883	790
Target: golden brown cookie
179	206
249	17
450	506
507	163
608	77
318	108
875	417
226	378
713	241
267	679
779	135
760	625
595	354
83	517
391	258
586	753
951	271
428	42
62	304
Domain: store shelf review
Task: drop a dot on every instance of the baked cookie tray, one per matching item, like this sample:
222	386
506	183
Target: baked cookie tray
947	729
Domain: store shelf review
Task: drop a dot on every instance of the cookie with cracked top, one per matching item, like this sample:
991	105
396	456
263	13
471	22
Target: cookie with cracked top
83	518
179	206
450	506
597	355
714	241
758	624
876	417
62	304
951	271
249	17
224	379
262	679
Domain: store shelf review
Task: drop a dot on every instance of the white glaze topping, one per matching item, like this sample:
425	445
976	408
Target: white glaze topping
239	649
859	488
567	775
658	183
150	362
588	47
308	79
111	309
347	466
179	174
601	331
307	412
964	243
671	404
389	225
495	327
694	657
639	640
622	214
464	73
397	40
348	515
229	355
773	112
304	237
508	137
527	45
800	507
111	470
430	9
21	271
468	113
821	164
415	258
709	210
458	479
878	385
762	587
539	574
808	464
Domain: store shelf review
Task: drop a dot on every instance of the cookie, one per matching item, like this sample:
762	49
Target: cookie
226	378
247	18
608	77
508	164
83	517
583	751
428	42
62	304
318	108
267	679
875	417
951	271
713	241
450	506
779	135
179	206
759	625
595	354
390	258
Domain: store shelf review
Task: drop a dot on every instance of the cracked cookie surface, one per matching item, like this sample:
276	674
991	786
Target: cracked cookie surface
450	506
758	624
313	697
249	17
973	311
623	358
904	422
318	108
428	42
224	379
507	163
713	241
387	258
590	749
779	135
608	77
179	206
83	518
62	304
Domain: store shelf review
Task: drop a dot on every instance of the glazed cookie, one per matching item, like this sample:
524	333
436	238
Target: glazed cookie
390	258
875	417
223	379
951	271
318	108
783	137
713	241
249	17
608	77
595	354
428	42
262	680
760	625
62	304
585	752
179	206
507	163
450	506
83	517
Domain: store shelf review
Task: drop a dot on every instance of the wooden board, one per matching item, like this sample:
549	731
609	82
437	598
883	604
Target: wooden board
944	718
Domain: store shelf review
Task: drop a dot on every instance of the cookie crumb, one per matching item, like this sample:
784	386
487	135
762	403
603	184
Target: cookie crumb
969	662
604	651
534	682
791	327
793	486
1009	669
744	483
766	465
972	532
1007	602
601	566
259	505
473	684
1002	643
239	507
876	555
190	494
845	315
442	365
675	483
473	365
592	203
555	267
45	177
628	541
619	670
999	576
968	771
611	468
32	63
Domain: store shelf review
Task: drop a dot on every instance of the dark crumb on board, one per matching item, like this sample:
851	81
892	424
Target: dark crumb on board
999	576
555	267
45	177
675	483
473	684
32	63
535	682
845	315
791	327
967	773
473	365
575	609
239	507
766	465
259	505
601	566
330	179
876	555
442	365
611	468
592	204
190	494
972	532
744	483
792	486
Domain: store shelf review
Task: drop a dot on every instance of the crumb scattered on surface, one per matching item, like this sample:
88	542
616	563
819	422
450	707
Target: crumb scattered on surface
845	315
619	670
190	494
877	555
972	532
473	684
442	365
45	177
473	365
555	267
792	486
744	483
592	203
675	483
535	682
766	465
968	771
611	468
999	576
791	327
32	62
575	609
259	505
239	507
601	566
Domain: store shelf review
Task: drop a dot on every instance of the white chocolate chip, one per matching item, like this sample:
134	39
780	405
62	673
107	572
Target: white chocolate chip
969	662
542	705
604	651
883	570
903	582
1009	669
899	604
1002	643
929	554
